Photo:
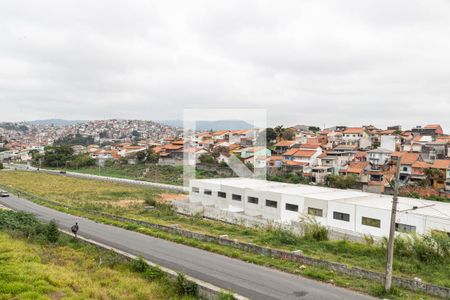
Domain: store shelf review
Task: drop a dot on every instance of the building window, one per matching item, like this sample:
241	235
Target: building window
371	222
221	194
405	169
207	192
253	200
404	228
271	203
291	207
236	197
195	190
315	212
341	216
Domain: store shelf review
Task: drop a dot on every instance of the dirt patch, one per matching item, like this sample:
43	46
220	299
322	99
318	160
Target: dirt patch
122	203
169	197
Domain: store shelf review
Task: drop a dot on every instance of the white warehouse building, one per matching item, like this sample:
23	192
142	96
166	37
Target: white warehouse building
347	211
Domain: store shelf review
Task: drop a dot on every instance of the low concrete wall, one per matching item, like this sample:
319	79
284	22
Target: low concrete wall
211	212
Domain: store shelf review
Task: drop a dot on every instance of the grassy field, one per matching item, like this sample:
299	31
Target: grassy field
154	173
146	172
94	195
32	268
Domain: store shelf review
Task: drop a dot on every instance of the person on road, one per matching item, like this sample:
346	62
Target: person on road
74	229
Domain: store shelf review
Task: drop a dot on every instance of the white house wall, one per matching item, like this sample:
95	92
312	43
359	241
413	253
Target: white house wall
343	208
356	204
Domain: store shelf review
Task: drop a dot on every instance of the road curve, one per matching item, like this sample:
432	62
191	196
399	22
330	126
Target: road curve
252	281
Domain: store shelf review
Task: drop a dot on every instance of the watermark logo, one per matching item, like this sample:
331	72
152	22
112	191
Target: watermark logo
235	137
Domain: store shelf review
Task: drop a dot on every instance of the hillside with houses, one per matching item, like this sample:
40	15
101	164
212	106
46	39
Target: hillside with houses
299	153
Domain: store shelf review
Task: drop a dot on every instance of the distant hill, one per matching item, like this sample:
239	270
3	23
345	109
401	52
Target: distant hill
212	125
56	122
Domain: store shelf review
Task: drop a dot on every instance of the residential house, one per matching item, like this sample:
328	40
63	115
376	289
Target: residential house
434	150
255	151
275	162
379	157
416	143
418	170
357	169
319	174
428	130
407	159
283	146
171	154
306	157
334	138
357	136
441	182
336	160
436	127
258	162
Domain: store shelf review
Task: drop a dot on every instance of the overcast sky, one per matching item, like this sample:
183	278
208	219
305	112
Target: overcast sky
306	62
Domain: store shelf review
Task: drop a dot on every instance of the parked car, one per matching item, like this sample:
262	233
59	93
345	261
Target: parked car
4	194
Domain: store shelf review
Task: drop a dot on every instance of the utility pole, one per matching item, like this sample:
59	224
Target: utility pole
390	249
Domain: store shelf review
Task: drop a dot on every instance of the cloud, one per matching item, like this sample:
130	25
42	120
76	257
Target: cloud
314	62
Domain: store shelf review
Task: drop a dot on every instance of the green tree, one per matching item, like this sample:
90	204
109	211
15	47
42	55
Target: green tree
279	131
432	175
57	156
220	150
342	181
151	156
82	160
288	134
76	139
314	128
52	232
1	166
271	135
207	159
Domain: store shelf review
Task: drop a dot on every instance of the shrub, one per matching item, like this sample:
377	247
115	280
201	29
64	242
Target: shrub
206	159
427	250
313	230
154	273
149	199
52	232
368	238
185	287
139	265
225	296
21	222
379	291
278	235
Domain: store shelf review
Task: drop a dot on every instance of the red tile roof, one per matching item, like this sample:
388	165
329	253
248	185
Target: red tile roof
406	158
304	153
357	167
441	164
284	144
294	163
353	130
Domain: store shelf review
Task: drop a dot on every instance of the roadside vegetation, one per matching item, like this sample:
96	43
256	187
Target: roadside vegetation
38	262
415	257
146	172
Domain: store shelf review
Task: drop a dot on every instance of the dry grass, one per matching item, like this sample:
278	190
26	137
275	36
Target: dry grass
33	271
81	192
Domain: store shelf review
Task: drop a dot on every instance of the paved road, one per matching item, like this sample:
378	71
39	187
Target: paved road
249	280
